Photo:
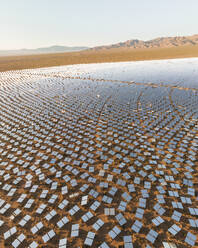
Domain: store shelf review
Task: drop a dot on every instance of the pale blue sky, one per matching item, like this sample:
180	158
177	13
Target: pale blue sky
39	23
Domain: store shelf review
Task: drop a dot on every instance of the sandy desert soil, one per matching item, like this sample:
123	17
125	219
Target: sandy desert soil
84	57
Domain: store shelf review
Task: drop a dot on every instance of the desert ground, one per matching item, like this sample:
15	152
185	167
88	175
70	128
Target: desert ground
99	155
8	63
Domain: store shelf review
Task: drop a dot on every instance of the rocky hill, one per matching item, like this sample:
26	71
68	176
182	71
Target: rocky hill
155	43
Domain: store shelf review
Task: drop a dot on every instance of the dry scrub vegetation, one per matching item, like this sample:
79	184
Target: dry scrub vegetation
91	56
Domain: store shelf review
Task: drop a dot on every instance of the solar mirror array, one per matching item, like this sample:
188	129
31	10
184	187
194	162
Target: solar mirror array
96	163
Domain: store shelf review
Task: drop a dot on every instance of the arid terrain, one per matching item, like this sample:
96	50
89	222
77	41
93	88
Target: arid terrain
161	42
132	50
85	57
99	155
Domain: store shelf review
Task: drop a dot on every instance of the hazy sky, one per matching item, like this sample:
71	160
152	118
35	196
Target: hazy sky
38	23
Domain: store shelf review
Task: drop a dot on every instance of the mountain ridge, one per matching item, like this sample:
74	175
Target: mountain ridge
42	50
160	42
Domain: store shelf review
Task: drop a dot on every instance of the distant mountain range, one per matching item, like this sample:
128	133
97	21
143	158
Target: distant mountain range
129	44
51	49
155	43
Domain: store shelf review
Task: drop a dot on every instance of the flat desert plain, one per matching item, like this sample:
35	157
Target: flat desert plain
96	56
100	155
